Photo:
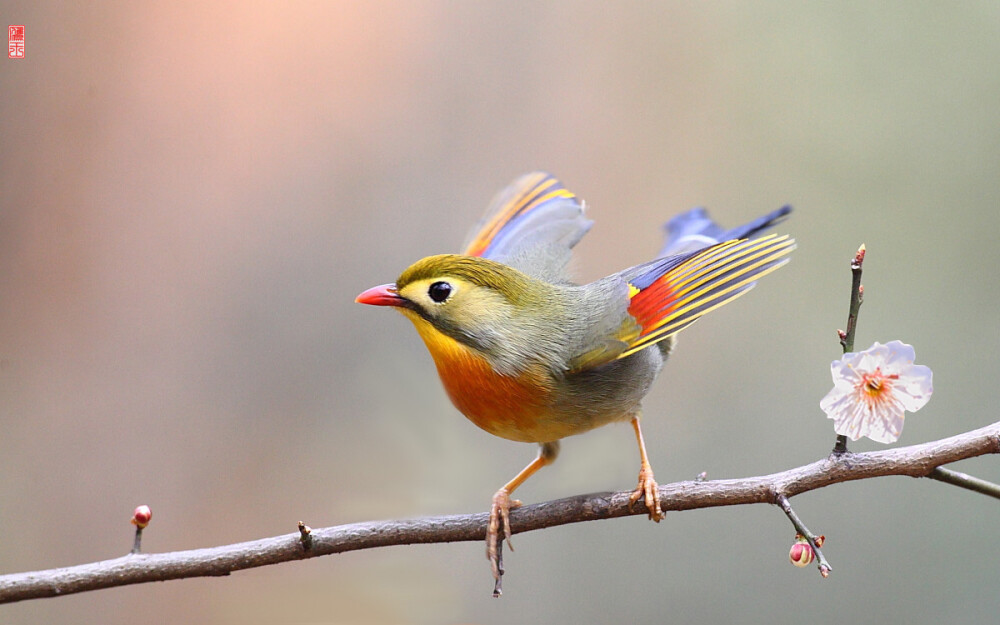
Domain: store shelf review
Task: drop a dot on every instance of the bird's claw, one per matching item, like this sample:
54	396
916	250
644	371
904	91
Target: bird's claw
649	491
499	514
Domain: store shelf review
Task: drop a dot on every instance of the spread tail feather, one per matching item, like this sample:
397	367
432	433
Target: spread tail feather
695	230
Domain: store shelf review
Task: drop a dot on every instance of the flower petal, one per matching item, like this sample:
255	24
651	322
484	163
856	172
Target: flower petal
914	387
897	357
855	418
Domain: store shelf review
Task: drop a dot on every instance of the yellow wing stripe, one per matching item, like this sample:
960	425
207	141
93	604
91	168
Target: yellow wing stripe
694	270
546	198
720	265
707	256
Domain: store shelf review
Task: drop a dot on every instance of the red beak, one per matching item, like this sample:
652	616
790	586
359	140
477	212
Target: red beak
382	295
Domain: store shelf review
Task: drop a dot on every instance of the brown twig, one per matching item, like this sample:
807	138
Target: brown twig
857	298
814	541
914	461
137	541
847	338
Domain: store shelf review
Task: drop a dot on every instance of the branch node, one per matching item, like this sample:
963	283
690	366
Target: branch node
305	535
840	447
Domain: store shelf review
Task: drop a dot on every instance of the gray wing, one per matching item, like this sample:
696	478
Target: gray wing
531	225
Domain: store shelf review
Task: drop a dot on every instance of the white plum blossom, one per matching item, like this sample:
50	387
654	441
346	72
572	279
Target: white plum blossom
872	389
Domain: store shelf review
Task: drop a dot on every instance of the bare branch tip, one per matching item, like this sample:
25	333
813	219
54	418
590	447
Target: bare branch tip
859	258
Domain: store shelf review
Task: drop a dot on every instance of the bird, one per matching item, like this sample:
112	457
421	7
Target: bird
528	355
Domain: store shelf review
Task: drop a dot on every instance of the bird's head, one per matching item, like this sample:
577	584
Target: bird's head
475	301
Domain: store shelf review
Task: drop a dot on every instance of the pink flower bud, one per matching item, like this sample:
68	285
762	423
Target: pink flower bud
859	258
801	554
142	516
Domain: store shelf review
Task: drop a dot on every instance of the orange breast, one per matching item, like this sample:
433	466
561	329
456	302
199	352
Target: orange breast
511	407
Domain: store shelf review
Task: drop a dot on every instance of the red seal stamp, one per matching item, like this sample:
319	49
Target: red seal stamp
15	42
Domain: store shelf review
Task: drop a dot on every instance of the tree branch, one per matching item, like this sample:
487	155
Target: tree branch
915	461
963	480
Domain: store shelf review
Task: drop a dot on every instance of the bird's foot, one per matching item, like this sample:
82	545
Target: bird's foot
499	518
648	490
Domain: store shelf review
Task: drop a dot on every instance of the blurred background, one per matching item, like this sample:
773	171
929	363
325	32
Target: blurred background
192	193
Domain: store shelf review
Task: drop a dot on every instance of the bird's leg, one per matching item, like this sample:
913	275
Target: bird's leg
502	503
647	488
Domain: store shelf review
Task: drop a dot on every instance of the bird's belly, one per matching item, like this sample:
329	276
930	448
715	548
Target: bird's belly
517	408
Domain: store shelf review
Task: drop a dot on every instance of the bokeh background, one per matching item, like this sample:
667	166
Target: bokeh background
192	193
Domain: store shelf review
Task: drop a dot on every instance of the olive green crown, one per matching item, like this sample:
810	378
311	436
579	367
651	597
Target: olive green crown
511	283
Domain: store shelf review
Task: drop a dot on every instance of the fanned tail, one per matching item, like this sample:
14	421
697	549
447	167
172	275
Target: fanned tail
695	230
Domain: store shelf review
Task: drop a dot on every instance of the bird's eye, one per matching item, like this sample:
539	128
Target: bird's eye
439	291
